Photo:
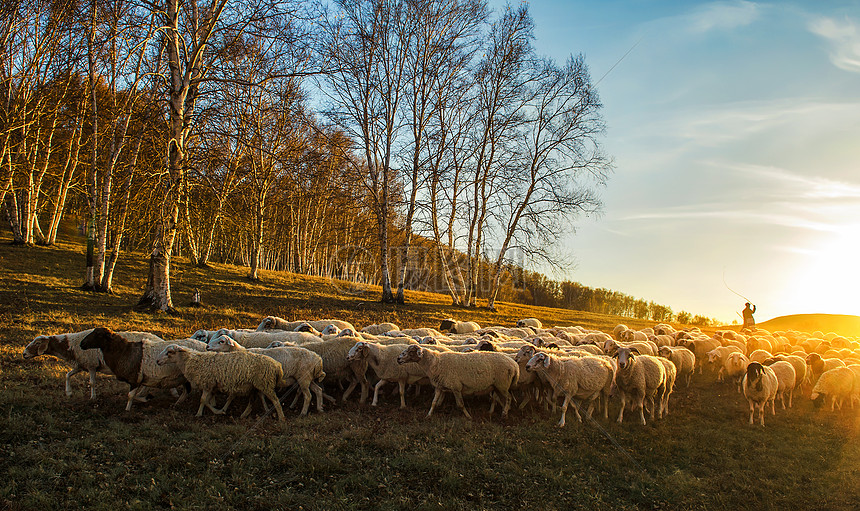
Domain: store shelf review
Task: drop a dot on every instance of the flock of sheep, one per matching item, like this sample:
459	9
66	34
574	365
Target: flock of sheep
524	364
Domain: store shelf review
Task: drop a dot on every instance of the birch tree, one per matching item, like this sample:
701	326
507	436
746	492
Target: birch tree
440	44
365	47
559	163
195	36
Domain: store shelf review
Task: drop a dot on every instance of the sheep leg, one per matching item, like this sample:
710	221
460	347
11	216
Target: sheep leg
184	395
527	397
92	384
493	399
590	409
274	399
640	403
204	401
402	385
376	388
564	411
223	409
348	391
247	411
69	375
507	405
306	392
131	395
791	394
459	397
437	399
621	411
317	390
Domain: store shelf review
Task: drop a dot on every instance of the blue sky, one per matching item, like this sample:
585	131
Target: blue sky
735	130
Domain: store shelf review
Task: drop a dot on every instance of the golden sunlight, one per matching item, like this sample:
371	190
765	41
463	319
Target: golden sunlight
831	282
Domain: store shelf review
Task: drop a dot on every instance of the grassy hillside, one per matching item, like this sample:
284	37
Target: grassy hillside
838	323
58	452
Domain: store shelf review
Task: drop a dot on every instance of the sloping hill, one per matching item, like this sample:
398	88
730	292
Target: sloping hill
839	323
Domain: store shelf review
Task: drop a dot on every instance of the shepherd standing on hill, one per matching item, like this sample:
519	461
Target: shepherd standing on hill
748	312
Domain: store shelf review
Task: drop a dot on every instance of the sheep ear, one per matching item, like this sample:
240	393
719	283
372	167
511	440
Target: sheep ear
42	347
546	361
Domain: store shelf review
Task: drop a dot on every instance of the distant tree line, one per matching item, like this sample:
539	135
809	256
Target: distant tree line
413	144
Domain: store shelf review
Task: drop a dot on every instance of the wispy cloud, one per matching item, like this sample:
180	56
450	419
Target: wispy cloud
722	16
844	38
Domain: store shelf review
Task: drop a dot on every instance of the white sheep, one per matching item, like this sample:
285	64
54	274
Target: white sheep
583	378
671	376
203	335
276	323
700	347
465	373
816	366
629	336
458	327
797	362
760	386
610	346
417	332
336	366
735	367
258	339
532	322
235	373
717	356
836	384
379	329
616	332
300	366
684	360
759	355
786	379
639	378
383	360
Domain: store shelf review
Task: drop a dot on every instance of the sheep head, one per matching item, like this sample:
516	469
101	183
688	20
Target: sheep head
358	352
539	360
221	343
485	345
428	340
625	356
754	374
525	353
306	327
346	332
817	399
169	354
200	335
38	347
330	330
276	344
664	351
447	325
413	353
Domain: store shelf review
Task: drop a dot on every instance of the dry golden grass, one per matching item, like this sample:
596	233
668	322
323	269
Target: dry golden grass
58	452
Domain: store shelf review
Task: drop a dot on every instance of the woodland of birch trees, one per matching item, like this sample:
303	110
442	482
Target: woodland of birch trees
411	144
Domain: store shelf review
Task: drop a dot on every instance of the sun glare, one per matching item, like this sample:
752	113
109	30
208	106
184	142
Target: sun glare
831	281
